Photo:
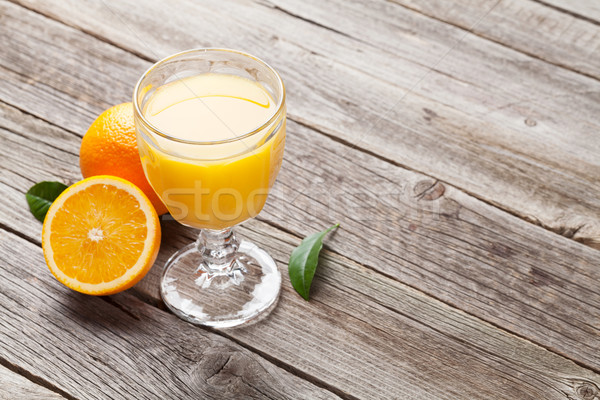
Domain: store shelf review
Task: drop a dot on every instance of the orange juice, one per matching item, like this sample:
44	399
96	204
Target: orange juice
220	149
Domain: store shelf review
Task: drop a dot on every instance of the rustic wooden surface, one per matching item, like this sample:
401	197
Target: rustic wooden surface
16	386
513	130
457	142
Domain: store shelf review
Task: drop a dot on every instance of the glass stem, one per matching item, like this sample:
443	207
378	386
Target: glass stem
218	248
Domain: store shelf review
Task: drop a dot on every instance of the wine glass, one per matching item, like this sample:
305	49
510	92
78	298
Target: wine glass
211	125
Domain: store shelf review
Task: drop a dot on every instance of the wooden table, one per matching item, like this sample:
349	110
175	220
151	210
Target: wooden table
457	142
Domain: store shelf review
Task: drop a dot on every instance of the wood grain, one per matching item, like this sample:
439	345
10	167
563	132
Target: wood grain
398	342
527	26
417	345
510	129
583	9
452	247
379	338
361	318
493	129
95	348
16	387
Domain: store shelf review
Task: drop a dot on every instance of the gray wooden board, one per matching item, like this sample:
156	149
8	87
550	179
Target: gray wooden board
454	248
528	26
362	321
377	325
121	348
585	9
14	386
510	129
386	227
445	244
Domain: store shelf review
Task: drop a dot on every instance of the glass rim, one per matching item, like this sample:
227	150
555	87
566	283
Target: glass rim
154	129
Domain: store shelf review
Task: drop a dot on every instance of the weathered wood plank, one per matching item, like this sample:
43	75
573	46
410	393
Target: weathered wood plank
372	317
16	387
397	342
93	348
408	239
585	9
510	129
368	322
450	247
495	131
527	26
367	313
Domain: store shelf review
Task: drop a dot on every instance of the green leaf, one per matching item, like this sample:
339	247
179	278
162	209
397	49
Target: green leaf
41	195
304	260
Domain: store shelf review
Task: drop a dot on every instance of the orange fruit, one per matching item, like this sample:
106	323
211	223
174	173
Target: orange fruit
109	147
101	235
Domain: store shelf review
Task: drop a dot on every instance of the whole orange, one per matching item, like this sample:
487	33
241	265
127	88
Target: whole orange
109	147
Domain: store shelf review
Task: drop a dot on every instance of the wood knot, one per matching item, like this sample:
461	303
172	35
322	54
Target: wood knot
540	278
586	390
428	190
530	122
429	114
500	250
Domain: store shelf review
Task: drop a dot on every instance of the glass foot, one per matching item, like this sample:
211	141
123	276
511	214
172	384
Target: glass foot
220	295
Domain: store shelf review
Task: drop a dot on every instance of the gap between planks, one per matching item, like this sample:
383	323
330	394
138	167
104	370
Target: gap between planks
280	227
506	45
466	30
36	380
275	361
386	160
474	318
293	370
157	304
559	230
446	302
301	374
568	12
26	112
203	336
295	235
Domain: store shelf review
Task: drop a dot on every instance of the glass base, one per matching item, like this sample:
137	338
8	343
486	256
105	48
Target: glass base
246	289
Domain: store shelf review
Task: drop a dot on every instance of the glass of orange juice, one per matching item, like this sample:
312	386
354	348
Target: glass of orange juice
211	131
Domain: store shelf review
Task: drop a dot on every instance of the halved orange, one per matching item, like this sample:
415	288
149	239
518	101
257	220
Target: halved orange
101	235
